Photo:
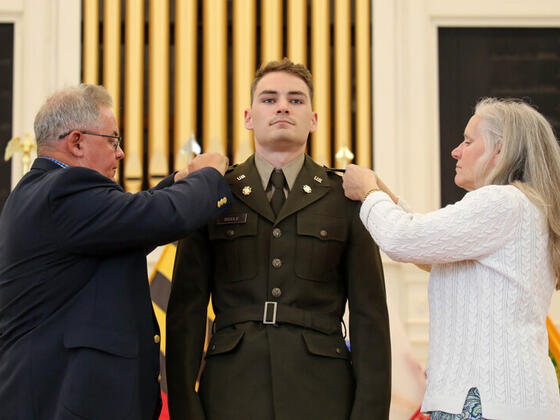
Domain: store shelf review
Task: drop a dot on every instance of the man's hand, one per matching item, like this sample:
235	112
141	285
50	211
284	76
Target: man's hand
214	160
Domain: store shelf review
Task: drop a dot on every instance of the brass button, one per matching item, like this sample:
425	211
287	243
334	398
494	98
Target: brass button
323	233
276	292
157	338
159	378
230	232
338	351
276	232
277	263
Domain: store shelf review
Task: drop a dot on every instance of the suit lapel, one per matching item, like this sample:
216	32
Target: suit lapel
246	185
311	184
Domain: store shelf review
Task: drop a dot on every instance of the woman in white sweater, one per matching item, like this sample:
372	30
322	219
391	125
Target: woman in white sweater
495	262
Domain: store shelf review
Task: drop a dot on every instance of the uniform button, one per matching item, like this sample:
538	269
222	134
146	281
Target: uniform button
276	232
276	292
338	351
159	378
230	232
157	338
323	233
277	263
213	347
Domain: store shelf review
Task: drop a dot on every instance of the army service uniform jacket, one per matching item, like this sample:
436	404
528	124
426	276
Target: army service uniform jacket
297	271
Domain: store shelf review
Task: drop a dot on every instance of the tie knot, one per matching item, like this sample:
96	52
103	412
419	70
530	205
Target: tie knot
277	178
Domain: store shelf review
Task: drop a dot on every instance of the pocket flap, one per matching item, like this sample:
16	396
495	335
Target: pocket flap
326	228
122	344
224	342
326	345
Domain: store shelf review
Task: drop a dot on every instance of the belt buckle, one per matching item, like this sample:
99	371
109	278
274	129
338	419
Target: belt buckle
274	310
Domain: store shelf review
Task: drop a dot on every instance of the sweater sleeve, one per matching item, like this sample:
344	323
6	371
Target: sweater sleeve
469	229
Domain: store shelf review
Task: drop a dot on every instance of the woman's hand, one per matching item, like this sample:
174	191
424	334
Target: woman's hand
358	181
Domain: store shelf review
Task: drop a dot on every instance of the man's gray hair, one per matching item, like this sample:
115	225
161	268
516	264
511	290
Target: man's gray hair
71	108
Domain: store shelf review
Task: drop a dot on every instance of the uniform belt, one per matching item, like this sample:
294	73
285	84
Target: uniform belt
276	313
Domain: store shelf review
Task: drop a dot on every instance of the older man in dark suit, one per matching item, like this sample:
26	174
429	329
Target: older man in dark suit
78	337
280	266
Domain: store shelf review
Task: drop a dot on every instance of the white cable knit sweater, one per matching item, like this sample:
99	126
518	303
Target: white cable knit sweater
489	293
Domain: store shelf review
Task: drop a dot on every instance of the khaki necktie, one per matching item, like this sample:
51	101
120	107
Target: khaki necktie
277	179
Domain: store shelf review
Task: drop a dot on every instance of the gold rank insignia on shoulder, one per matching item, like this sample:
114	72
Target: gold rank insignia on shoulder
222	201
307	189
318	179
240	177
246	190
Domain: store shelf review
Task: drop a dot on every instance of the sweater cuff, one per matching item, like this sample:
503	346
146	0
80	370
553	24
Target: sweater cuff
370	201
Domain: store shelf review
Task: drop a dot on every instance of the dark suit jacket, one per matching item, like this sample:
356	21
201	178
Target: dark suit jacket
315	256
77	329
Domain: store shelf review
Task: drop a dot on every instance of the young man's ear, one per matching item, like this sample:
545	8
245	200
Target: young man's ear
313	123
248	120
74	143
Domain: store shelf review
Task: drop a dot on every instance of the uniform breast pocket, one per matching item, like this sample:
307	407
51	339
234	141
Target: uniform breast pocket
319	246
235	246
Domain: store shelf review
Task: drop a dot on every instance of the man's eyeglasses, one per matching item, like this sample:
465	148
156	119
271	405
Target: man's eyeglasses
116	142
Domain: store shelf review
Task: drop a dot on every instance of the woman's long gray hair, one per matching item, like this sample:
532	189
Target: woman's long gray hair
529	158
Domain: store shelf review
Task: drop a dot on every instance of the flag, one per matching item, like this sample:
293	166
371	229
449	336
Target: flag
554	346
160	289
408	382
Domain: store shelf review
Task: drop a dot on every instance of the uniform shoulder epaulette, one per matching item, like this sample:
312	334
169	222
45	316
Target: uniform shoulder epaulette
231	168
334	171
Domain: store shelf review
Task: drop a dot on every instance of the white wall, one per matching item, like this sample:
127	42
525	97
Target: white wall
405	113
46	57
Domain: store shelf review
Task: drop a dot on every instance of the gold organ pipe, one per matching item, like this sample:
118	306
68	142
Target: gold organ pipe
91	42
213	93
363	84
271	30
297	31
244	38
134	94
185	77
112	54
158	110
342	84
215	76
112	51
320	65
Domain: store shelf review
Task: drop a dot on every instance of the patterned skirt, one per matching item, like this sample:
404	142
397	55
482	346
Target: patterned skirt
472	410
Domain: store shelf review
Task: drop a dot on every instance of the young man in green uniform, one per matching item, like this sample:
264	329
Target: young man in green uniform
280	265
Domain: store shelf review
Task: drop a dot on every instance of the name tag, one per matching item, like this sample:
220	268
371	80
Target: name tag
232	219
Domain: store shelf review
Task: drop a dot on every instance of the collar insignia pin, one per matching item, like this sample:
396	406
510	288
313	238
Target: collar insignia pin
318	179
246	190
240	177
307	189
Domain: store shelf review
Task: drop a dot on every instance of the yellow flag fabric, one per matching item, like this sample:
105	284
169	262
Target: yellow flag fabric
160	288
554	346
